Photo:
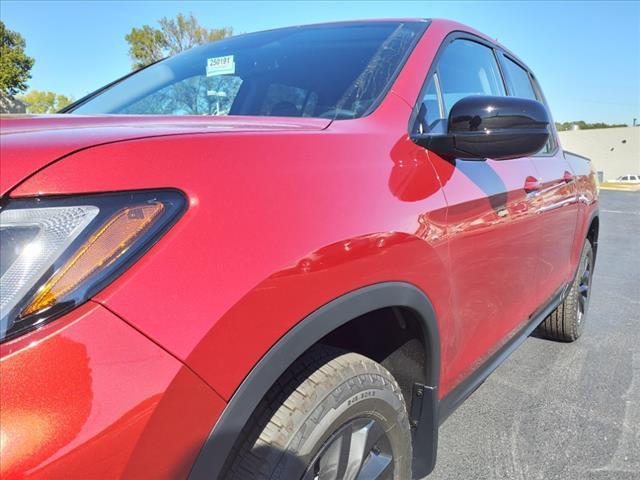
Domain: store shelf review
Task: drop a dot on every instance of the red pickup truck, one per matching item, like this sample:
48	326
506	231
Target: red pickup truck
287	254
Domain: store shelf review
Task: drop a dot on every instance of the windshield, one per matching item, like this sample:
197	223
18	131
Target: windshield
327	71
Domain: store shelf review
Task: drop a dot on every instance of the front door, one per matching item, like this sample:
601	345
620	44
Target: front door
490	219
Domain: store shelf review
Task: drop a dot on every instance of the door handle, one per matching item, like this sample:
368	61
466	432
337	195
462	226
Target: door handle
532	184
568	177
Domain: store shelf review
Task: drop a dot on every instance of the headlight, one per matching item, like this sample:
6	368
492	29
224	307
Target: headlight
56	252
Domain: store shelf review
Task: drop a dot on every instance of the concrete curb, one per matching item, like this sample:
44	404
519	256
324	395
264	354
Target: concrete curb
631	188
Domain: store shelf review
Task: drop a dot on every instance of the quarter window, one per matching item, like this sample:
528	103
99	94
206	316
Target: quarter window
430	116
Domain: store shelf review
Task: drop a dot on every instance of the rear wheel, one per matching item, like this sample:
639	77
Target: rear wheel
566	322
332	415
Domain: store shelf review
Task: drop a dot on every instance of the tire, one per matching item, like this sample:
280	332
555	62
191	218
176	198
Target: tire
566	322
332	415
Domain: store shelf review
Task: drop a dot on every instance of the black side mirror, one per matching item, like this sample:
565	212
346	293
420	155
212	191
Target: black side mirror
499	128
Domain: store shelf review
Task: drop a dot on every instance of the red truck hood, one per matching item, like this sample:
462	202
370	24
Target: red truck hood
29	143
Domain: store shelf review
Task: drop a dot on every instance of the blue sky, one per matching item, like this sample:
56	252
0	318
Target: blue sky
585	54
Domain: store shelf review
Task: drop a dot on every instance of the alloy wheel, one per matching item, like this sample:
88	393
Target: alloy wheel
584	288
359	450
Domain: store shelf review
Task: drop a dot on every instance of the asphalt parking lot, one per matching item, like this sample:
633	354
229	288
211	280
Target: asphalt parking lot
565	411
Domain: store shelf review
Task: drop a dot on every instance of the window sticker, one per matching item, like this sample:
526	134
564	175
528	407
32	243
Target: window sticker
221	66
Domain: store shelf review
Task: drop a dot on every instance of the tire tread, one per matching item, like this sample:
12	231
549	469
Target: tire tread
313	376
562	323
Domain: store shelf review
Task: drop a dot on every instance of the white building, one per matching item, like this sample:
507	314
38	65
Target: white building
613	151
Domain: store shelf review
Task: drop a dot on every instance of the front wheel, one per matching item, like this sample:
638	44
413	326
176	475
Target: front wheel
566	322
333	415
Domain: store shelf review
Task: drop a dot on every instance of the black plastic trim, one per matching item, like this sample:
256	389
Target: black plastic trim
595	215
425	435
300	338
496	127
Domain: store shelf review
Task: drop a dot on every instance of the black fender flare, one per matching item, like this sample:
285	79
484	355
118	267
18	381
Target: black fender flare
593	217
300	338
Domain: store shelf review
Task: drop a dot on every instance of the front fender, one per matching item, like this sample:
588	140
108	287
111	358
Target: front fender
237	340
304	335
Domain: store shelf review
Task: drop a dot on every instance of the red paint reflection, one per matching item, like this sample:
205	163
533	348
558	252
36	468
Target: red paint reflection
412	176
35	426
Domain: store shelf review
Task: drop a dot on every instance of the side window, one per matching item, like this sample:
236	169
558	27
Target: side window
468	68
465	68
518	80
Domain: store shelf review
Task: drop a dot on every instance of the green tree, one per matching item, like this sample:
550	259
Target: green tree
582	125
38	101
15	65
149	44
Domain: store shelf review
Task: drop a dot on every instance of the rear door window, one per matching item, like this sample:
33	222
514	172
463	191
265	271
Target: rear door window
522	85
518	80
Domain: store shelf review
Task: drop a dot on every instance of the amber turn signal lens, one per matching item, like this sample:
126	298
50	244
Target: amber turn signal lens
104	247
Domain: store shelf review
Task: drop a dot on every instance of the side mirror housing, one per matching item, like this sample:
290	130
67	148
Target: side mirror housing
499	128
